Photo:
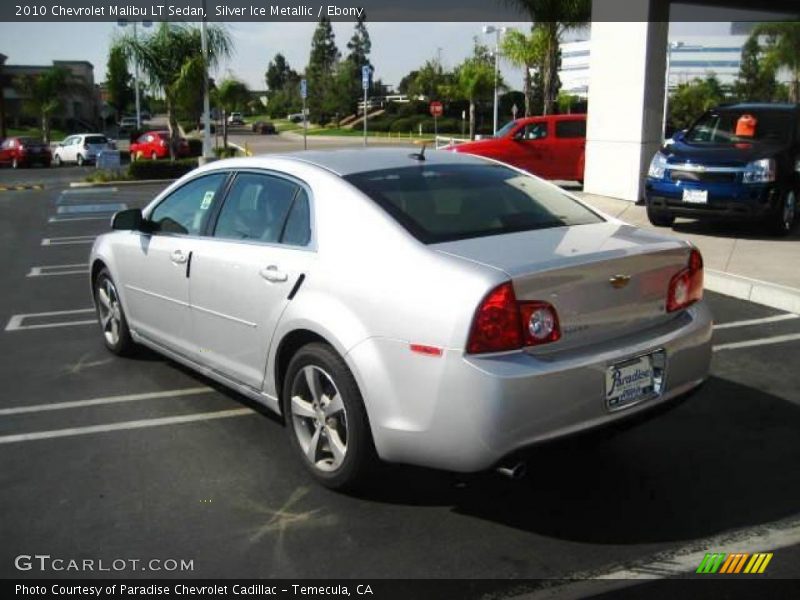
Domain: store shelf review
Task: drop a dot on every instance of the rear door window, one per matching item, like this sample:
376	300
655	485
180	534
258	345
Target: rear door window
571	129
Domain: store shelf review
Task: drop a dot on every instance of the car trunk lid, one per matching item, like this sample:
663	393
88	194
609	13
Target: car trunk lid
605	280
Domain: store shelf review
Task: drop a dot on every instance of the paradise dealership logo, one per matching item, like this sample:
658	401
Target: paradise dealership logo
733	564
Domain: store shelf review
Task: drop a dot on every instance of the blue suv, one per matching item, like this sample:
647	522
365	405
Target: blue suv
738	161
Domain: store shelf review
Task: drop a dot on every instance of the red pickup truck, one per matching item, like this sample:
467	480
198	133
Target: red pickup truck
551	147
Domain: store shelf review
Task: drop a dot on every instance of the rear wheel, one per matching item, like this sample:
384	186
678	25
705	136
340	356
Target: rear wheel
782	221
659	218
326	418
154	156
80	160
15	163
57	160
116	335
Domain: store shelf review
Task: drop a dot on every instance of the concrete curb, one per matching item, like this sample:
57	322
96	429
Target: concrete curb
753	290
90	184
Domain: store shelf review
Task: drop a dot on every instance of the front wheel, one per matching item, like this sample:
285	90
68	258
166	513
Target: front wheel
154	156
326	418
782	221
116	335
659	218
15	163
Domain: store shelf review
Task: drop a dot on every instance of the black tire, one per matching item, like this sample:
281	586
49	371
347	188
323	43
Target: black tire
15	163
80	160
782	221
123	345
659	218
359	456
154	156
57	160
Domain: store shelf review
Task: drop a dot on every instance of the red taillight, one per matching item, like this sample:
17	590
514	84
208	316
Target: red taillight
686	287
501	323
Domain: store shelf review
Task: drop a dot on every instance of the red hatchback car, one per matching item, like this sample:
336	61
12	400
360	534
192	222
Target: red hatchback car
551	147
155	145
24	152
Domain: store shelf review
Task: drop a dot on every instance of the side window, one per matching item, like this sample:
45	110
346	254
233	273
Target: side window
534	131
256	208
186	209
571	129
297	231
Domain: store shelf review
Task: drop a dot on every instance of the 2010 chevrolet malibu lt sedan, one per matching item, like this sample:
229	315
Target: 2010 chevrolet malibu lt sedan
434	309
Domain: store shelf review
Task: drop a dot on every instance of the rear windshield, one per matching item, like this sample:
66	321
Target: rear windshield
736	126
96	139
441	203
29	141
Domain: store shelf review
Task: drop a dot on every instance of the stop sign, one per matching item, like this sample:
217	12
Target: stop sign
436	109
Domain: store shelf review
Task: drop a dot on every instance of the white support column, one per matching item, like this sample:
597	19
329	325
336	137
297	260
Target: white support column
626	89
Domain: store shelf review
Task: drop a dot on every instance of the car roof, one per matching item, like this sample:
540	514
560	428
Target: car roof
780	106
350	161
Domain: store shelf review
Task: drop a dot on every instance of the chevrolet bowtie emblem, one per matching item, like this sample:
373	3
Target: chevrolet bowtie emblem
619	281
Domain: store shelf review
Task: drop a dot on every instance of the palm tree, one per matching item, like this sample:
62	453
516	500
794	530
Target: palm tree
173	61
526	52
231	94
44	94
474	79
783	50
554	18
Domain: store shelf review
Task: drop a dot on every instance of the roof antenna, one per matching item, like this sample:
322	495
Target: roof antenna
420	156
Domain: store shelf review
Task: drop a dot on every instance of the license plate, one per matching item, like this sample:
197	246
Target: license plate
695	196
629	382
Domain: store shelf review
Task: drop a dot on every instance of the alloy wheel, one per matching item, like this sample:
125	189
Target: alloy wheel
319	418
789	210
110	312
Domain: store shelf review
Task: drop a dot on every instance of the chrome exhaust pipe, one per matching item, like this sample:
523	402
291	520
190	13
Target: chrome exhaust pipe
514	471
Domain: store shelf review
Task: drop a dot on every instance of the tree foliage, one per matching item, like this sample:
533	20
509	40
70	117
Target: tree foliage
172	58
756	80
528	53
44	93
119	81
690	100
782	50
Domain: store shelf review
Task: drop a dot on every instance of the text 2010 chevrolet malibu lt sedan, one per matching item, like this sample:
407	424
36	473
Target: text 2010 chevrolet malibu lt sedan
434	309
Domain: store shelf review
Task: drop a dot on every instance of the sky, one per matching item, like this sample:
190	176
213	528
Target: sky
397	48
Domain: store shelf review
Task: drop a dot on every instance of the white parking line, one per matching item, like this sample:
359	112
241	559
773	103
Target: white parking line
49	270
89	191
140	424
72	239
748	323
778	339
681	562
15	323
18	410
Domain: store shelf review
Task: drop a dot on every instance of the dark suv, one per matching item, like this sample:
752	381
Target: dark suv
736	161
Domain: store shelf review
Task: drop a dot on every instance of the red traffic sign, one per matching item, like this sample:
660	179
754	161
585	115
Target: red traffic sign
437	110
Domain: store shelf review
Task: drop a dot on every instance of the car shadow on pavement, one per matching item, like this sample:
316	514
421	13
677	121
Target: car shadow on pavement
724	459
743	230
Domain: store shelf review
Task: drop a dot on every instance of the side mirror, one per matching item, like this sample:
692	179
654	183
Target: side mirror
128	220
679	136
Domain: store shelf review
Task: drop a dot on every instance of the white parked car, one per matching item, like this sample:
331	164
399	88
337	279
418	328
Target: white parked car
441	310
235	118
81	149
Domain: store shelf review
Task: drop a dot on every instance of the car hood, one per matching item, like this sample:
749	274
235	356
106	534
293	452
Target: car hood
725	155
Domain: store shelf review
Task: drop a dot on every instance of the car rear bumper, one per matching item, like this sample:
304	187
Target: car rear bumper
725	201
467	413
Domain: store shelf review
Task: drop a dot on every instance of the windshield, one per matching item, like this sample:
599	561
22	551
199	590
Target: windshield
505	129
725	127
441	203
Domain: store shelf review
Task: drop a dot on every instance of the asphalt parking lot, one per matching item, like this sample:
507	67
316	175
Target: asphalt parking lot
138	458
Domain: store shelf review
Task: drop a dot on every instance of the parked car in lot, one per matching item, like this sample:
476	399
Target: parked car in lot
155	145
738	161
81	148
19	152
235	118
439	309
551	147
128	124
295	117
264	128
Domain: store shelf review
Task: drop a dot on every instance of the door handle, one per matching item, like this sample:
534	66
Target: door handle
271	273
178	257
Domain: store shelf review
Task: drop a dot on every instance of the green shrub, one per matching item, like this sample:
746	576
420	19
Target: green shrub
103	176
402	125
161	169
195	146
222	152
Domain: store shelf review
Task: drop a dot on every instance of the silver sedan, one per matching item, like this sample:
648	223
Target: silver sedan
434	309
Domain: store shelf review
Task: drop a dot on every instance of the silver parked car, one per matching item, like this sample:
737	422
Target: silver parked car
436	309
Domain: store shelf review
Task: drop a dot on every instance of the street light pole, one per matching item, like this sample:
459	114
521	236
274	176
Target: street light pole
487	29
206	102
136	82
